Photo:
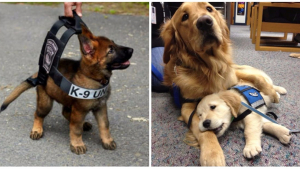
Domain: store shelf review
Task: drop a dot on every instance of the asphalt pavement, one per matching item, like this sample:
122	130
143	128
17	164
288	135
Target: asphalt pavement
22	31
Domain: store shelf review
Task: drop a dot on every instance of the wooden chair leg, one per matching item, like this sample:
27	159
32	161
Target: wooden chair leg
251	23
255	20
259	22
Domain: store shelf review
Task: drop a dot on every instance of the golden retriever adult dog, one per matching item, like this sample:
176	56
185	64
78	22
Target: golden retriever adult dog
216	112
197	59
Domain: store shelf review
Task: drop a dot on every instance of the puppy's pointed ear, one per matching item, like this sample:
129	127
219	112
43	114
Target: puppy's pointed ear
232	100
168	36
85	40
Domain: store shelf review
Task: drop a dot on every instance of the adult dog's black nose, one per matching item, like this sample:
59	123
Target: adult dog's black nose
204	22
206	123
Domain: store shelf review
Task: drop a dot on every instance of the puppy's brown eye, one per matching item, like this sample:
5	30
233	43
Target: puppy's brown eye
209	9
185	17
212	107
111	50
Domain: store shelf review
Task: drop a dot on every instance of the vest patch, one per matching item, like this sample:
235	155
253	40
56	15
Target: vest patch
50	52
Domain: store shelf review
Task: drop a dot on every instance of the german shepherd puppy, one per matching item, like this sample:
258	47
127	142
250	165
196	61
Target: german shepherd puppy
100	56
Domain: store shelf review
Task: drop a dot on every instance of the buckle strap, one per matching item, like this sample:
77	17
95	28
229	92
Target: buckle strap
242	116
191	117
59	80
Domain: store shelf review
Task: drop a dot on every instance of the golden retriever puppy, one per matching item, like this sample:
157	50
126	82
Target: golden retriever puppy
216	112
197	59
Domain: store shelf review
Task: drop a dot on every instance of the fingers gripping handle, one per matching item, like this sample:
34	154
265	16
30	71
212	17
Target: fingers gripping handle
74	23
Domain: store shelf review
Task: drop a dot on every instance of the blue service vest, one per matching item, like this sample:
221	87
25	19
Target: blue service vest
252	95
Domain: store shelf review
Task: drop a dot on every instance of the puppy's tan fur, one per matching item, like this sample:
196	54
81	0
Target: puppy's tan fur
200	66
228	103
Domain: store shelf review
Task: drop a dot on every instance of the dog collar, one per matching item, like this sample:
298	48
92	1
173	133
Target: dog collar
50	55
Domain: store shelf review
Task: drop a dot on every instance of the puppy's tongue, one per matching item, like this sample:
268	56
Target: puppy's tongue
126	63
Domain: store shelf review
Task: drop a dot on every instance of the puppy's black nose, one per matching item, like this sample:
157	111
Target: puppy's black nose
129	51
206	123
204	22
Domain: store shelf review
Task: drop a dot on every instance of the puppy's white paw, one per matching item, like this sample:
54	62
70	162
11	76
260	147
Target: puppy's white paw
281	90
278	95
285	139
284	136
250	151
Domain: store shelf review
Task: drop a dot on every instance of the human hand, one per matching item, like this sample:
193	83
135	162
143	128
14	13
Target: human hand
68	8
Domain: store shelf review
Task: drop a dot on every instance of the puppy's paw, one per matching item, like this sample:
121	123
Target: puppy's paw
285	139
281	90
284	136
78	149
109	146
213	157
180	118
276	97
87	126
252	150
36	135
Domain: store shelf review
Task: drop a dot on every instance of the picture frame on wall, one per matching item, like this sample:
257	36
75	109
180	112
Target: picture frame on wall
240	13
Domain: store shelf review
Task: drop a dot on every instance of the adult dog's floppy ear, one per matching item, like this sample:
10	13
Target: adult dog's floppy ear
232	100
85	39
168	36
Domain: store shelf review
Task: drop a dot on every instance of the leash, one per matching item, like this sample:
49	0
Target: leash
265	116
51	53
253	98
258	112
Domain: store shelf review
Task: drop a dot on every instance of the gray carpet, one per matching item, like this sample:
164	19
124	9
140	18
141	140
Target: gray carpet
168	148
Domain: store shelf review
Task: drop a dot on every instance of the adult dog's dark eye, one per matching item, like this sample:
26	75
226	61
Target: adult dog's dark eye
209	9
212	107
185	17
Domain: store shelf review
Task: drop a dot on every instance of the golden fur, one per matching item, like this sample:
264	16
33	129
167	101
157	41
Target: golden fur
199	62
219	109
